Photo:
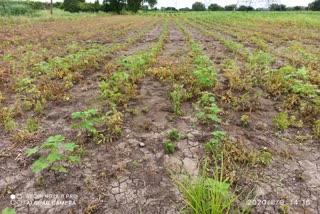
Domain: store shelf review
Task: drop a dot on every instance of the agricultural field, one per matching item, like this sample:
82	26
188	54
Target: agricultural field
161	113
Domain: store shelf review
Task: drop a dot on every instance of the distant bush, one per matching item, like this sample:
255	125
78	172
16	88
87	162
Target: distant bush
15	9
215	7
278	7
230	7
245	8
185	9
90	7
36	5
72	6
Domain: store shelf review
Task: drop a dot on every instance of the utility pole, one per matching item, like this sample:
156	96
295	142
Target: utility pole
51	6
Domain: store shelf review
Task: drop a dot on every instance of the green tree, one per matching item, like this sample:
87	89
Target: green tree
134	5
198	6
96	6
117	5
215	7
315	5
185	9
231	7
278	7
106	7
245	8
72	6
151	3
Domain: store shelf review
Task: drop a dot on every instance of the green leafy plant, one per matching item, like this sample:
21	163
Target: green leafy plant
245	120
58	154
170	148
281	121
87	120
207	108
174	135
215	142
205	77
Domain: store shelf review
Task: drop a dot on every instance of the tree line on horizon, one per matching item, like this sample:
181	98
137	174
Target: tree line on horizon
199	6
118	6
8	7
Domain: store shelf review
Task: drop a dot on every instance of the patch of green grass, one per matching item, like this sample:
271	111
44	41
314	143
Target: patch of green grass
204	194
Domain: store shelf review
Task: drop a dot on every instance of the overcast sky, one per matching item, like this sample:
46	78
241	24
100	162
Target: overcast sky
188	3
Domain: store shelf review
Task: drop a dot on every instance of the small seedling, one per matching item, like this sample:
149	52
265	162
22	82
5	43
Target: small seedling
245	120
145	109
170	119
316	128
284	209
294	123
134	164
133	111
265	157
174	135
170	148
58	154
281	121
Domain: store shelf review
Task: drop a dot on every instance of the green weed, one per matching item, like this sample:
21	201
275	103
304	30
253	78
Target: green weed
265	157
281	121
170	148
58	154
204	194
87	120
207	108
174	135
245	120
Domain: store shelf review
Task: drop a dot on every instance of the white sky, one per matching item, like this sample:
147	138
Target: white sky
188	3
